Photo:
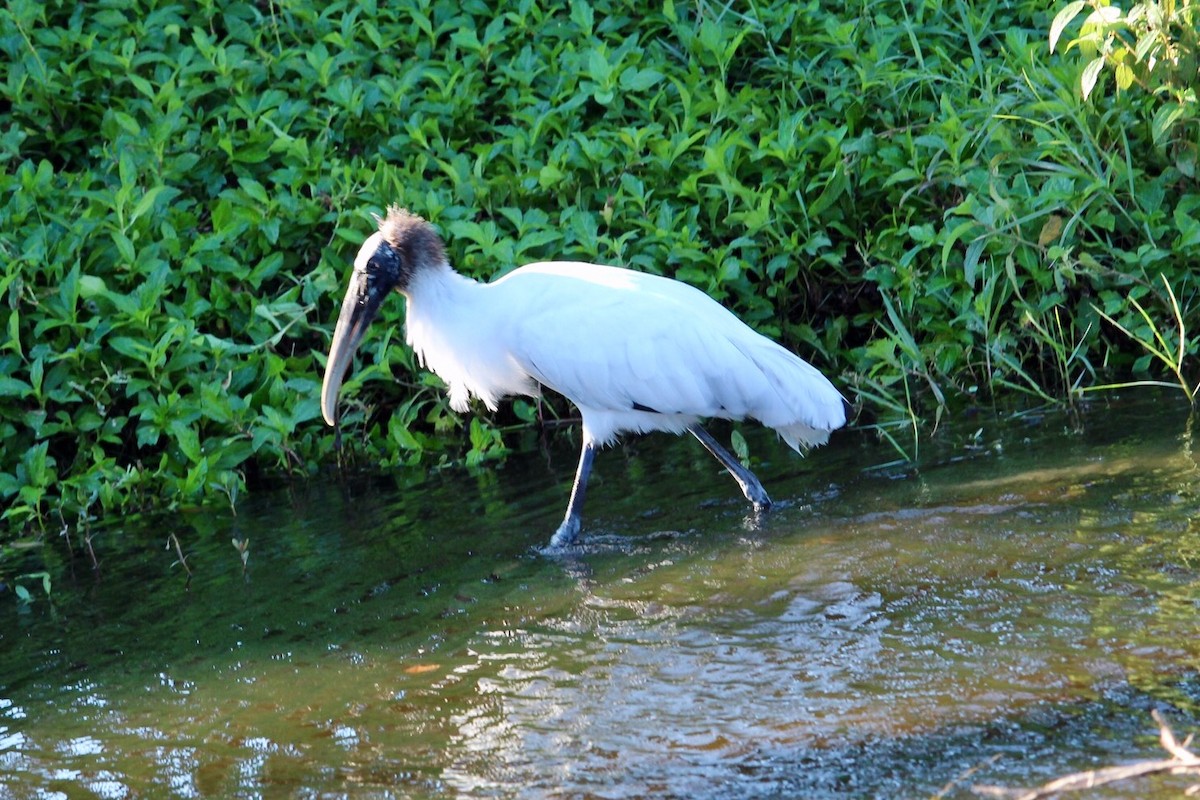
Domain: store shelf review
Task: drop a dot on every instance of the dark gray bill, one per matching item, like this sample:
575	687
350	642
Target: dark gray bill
359	307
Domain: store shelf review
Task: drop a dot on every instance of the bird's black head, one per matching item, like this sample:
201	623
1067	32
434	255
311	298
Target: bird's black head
391	259
408	245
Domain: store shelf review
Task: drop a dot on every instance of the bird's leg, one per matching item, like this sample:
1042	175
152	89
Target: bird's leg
569	530
751	487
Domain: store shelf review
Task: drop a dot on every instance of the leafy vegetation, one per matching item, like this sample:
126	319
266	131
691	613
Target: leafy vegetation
916	196
1154	46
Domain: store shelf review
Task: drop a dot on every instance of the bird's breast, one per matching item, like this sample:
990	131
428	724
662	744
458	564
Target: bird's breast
470	352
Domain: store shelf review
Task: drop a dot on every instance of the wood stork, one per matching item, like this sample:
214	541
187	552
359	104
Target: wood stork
634	352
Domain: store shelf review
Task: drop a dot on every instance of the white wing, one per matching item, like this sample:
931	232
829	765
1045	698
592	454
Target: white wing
639	352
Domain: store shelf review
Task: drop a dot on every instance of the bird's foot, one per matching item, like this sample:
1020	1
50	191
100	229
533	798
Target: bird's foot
758	497
751	487
566	534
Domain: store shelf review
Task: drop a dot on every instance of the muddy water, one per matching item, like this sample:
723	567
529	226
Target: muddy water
1016	607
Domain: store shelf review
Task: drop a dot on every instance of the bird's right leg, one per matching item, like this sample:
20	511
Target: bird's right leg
569	530
751	486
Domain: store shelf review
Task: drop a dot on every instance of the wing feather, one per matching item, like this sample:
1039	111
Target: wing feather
617	341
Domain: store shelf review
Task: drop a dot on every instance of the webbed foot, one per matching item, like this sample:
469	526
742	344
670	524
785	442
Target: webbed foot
566	534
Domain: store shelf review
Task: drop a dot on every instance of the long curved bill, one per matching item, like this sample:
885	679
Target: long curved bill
359	307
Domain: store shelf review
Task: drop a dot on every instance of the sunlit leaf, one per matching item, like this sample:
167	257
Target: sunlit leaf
1164	119
90	286
1062	19
1102	16
1051	230
1124	74
1148	43
1091	73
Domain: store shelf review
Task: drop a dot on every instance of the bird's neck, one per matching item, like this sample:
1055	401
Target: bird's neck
437	285
458	328
439	299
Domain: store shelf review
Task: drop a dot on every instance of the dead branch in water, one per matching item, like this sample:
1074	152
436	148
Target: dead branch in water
1182	762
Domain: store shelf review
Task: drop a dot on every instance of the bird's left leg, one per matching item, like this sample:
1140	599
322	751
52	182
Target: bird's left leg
751	486
568	531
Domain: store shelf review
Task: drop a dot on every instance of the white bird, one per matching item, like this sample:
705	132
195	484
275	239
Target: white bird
634	352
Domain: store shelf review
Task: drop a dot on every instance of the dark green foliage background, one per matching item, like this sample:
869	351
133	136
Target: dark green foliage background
909	194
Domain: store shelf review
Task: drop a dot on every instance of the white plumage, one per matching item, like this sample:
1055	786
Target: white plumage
634	352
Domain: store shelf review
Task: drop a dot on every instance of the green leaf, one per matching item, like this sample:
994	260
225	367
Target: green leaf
1164	119
583	16
902	175
712	37
255	190
188	440
1062	19
147	202
639	80
949	240
1091	74
549	175
124	247
598	67
835	188
12	387
127	123
971	259
1146	45
14	332
466	39
36	372
740	448
1124	76
91	286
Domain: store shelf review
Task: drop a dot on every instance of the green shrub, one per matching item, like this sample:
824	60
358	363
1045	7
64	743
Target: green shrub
1153	46
913	195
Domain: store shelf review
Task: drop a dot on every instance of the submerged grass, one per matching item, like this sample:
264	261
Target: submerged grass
912	195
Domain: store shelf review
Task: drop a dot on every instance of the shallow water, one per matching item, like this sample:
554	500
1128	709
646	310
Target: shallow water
1018	605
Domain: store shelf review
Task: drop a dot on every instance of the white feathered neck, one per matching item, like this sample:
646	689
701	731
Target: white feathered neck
451	330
